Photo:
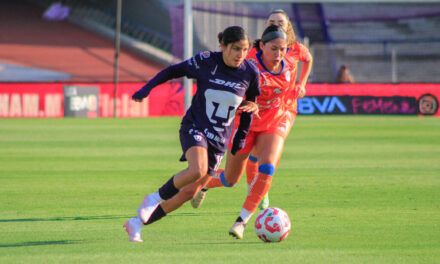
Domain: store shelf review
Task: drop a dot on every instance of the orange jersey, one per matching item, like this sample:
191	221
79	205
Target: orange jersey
298	52
276	90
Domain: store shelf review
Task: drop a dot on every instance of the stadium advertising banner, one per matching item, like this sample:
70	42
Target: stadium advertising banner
81	101
356	105
47	100
384	99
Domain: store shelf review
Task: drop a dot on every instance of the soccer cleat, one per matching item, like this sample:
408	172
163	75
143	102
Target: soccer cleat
147	208
197	201
264	204
237	230
133	227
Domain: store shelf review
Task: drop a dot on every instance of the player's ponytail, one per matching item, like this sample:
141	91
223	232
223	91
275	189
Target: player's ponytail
231	35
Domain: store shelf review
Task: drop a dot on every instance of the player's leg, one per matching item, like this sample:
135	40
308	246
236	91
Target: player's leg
252	166
186	193
251	173
228	177
282	129
269	147
235	164
197	158
234	168
197	168
214	158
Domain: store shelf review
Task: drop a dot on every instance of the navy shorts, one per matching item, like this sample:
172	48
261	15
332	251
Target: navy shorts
190	136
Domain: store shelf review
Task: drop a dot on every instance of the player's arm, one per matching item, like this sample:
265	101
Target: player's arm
185	68
305	73
242	131
246	117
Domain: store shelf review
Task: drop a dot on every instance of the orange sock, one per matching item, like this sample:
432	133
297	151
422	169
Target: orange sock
259	187
251	169
215	180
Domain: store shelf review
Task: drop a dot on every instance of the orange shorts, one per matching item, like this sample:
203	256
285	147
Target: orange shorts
281	128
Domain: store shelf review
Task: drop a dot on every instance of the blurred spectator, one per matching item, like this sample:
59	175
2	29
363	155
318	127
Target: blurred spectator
344	75
56	12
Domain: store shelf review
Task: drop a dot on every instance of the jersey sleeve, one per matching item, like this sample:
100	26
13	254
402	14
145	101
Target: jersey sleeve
254	85
194	64
304	54
188	68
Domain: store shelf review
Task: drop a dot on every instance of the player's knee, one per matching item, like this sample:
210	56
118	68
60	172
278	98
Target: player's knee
198	172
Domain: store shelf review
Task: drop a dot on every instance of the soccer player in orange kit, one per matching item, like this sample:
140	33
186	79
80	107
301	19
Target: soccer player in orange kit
299	53
277	111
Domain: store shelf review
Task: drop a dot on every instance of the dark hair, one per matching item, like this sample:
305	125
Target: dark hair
278	11
231	35
268	35
290	32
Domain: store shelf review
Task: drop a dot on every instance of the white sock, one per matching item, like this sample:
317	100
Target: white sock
137	222
245	215
157	197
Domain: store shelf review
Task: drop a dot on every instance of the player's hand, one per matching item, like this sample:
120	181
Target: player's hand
249	107
140	95
301	90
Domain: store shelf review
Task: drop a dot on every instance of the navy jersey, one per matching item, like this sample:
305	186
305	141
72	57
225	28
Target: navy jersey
220	90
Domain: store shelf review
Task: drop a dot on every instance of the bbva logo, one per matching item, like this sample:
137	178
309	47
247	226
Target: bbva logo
309	105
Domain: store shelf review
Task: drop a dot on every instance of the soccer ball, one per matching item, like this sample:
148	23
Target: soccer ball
272	225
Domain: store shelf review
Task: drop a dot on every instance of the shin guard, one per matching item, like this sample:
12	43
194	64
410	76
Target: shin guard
259	187
251	169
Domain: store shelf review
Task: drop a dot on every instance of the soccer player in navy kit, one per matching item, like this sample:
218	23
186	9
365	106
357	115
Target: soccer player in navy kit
224	80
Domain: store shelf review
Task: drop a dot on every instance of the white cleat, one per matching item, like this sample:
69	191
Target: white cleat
197	201
237	230
147	208
133	227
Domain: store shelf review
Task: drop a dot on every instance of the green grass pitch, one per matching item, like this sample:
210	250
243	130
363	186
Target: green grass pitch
357	189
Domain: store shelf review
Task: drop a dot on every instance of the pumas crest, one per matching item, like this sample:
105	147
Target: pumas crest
253	61
205	55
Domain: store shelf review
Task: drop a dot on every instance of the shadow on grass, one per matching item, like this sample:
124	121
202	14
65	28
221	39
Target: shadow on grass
220	243
41	243
204	214
107	217
68	218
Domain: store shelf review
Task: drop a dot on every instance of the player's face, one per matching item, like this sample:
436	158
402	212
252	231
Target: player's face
273	52
235	53
277	19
